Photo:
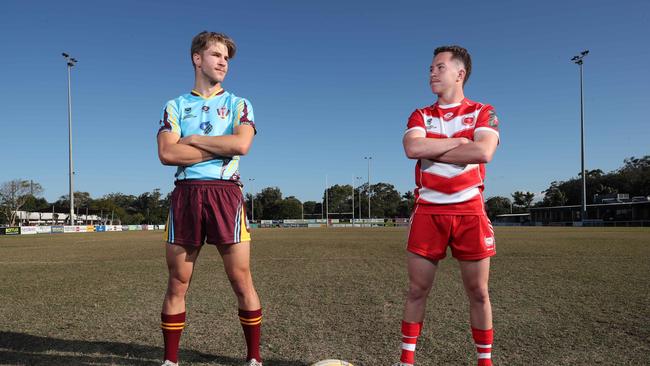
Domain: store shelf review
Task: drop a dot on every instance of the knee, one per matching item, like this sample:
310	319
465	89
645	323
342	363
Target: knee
417	292
241	281
478	294
177	287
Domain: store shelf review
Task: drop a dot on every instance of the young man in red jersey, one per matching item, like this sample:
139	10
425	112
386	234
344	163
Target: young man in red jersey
452	140
203	133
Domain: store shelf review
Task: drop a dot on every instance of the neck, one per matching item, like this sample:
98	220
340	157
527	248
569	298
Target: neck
206	87
452	96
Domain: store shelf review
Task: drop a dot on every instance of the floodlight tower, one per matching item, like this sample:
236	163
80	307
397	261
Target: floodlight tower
577	59
368	158
70	62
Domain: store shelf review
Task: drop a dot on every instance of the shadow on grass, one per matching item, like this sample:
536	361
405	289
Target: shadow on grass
26	349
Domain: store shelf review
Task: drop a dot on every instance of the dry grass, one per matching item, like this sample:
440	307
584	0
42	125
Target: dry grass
561	296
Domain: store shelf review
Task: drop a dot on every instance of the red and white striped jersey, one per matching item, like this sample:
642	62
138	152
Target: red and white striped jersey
444	188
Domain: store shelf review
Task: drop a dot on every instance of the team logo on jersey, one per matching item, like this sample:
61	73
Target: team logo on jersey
223	112
205	108
468	121
448	116
493	121
489	242
188	110
206	127
428	122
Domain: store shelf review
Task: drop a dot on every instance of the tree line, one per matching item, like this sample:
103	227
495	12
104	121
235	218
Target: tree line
632	178
269	204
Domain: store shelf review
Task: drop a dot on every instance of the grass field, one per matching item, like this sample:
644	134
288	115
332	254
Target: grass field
560	296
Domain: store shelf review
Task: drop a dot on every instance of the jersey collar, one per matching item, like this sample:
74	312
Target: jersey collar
198	94
453	105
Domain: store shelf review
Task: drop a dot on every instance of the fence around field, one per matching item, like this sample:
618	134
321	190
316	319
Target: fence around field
316	223
61	229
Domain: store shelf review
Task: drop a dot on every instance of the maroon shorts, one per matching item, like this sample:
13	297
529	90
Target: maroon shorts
207	211
470	237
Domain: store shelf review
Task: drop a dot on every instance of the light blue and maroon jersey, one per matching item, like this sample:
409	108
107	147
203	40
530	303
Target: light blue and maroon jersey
215	115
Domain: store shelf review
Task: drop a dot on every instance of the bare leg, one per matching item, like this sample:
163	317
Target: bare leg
475	275
236	260
180	263
421	274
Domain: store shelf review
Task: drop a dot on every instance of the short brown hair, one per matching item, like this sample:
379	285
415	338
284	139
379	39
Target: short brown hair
204	39
460	54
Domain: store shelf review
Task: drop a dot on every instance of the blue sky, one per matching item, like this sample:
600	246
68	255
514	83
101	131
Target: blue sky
330	82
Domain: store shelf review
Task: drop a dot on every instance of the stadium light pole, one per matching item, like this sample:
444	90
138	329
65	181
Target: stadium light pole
368	158
70	62
352	201
359	190
252	200
327	205
577	59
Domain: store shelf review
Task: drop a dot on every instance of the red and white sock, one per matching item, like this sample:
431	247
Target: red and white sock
483	340
172	326
410	334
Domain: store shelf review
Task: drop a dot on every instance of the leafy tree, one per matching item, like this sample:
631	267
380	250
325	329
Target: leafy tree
384	200
339	200
14	194
406	204
291	208
523	199
497	206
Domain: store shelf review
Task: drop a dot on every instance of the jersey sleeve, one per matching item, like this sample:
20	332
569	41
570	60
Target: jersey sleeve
169	119
415	123
244	114
487	121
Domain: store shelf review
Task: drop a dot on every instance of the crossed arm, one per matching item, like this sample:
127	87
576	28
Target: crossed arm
453	150
192	149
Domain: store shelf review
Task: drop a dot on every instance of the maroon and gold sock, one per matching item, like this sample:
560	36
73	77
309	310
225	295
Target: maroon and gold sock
251	323
172	327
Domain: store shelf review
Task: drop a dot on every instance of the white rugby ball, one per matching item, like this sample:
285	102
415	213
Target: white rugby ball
332	363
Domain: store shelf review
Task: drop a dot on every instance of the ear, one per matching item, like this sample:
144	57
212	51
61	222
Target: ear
196	58
461	75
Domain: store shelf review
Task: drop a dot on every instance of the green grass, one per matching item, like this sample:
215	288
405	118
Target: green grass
560	296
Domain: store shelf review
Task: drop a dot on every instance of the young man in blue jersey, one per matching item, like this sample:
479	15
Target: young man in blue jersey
204	133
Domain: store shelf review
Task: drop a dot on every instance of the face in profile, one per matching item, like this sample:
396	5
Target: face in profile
445	73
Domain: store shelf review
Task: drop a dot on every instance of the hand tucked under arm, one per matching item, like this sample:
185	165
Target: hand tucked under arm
478	151
171	152
227	146
418	146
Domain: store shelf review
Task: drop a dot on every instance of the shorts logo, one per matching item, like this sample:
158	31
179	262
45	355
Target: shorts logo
205	108
206	127
223	112
468	121
448	116
489	242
